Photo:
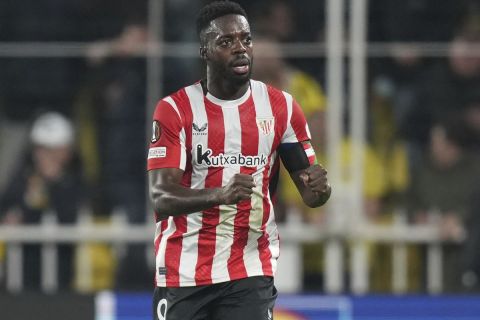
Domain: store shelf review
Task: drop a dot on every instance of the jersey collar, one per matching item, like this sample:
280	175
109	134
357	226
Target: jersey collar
229	103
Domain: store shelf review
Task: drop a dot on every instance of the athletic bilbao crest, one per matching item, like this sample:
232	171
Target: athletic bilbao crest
265	125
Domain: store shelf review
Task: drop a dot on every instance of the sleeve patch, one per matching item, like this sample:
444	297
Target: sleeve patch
158	152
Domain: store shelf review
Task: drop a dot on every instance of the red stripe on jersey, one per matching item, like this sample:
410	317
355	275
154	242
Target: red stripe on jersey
163	226
185	108
174	250
263	241
280	112
174	245
170	126
211	217
236	265
274	184
279	109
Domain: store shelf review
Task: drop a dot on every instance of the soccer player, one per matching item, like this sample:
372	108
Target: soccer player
212	163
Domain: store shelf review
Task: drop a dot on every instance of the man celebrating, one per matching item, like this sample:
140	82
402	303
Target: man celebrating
213	163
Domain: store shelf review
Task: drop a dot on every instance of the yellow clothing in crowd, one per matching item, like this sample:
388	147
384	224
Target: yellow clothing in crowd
307	92
385	172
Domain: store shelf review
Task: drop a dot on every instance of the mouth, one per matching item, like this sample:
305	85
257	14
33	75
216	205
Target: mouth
241	66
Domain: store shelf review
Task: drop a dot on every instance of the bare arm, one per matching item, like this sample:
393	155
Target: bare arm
310	180
313	185
170	198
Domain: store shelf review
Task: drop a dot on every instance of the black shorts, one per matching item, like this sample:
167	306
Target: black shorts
250	298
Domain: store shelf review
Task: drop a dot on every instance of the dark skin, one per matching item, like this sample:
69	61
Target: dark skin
226	47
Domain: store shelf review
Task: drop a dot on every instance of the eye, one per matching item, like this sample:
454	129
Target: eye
248	40
225	42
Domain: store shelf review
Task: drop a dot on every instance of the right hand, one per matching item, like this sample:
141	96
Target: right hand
240	187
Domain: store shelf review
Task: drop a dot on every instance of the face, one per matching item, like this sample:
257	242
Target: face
51	162
269	65
228	48
462	61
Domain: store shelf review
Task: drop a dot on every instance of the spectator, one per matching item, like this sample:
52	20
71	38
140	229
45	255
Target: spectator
385	172
48	182
406	25
442	187
444	89
271	68
112	117
274	19
31	83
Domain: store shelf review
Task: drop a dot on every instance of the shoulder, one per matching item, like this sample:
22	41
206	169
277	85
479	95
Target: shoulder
182	99
256	84
273	93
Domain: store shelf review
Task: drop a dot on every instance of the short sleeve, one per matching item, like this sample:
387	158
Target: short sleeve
297	127
167	144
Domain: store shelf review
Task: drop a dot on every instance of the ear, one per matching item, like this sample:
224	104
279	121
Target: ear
203	53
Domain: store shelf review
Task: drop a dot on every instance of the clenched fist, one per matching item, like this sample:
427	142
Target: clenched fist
315	180
240	187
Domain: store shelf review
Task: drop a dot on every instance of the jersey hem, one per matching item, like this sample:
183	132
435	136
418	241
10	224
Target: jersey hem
207	282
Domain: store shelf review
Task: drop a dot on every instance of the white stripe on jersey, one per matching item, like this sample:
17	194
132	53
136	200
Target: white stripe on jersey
307	130
263	110
271	227
188	258
173	104
200	131
199	118
309	152
289	135
199	114
225	228
183	155
160	259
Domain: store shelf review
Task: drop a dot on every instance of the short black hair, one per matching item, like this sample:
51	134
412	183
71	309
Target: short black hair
217	9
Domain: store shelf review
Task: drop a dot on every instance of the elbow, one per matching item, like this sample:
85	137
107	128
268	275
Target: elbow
162	204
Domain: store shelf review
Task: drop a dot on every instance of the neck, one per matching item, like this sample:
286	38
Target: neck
225	89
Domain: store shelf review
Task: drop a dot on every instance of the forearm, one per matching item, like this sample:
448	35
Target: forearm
170	198
176	200
309	177
312	185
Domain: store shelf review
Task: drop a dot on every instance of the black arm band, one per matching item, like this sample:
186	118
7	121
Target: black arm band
293	156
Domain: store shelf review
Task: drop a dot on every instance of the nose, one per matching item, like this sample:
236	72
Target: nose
239	47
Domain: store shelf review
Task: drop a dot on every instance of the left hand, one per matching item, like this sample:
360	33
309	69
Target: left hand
315	178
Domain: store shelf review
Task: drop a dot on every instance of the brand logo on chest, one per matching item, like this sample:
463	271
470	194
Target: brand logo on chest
221	160
199	130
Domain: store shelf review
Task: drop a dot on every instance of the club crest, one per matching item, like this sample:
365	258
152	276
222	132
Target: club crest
266	125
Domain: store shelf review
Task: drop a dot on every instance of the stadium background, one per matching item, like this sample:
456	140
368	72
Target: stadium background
392	93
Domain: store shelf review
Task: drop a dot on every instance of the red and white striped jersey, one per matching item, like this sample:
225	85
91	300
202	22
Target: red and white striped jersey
211	140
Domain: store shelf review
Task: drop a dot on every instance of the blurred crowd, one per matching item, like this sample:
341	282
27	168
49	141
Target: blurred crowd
73	129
